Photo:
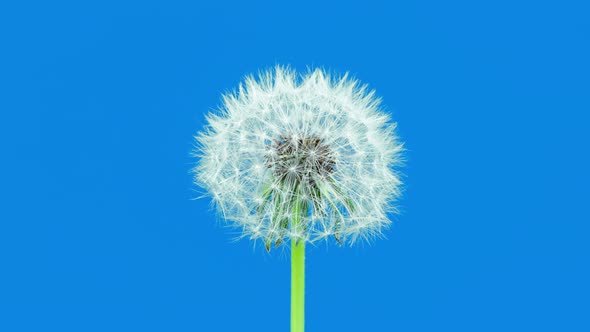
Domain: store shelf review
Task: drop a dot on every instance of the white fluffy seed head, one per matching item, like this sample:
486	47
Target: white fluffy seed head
310	157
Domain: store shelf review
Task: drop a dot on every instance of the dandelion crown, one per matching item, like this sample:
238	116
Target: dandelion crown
301	158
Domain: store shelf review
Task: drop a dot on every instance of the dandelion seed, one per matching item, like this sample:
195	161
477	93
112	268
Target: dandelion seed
320	140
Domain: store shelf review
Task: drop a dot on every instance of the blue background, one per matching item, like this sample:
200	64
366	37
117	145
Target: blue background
99	102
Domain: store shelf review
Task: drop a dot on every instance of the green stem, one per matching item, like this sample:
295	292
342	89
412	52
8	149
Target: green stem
298	268
297	285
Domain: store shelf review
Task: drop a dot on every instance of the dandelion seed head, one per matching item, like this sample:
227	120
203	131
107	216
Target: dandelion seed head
313	146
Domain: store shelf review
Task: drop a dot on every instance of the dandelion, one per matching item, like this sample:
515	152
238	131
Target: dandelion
299	159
